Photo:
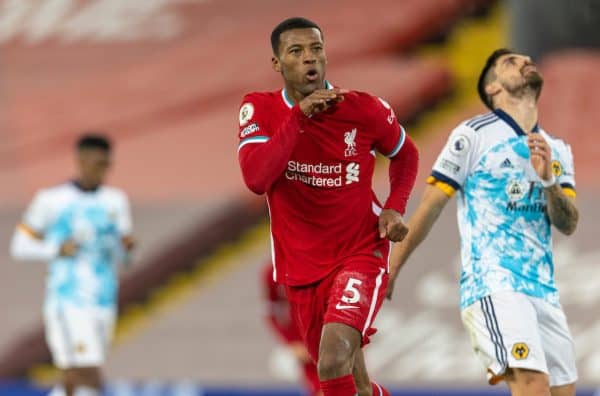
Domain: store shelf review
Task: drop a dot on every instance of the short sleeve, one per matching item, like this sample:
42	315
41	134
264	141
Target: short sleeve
124	222
37	215
252	122
390	135
564	169
453	163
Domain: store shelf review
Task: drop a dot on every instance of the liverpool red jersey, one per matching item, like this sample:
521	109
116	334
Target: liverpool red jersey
317	173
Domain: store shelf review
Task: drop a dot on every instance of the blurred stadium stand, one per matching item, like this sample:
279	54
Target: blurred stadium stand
165	78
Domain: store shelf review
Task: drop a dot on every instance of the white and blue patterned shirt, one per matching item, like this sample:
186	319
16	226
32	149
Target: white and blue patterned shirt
506	243
96	221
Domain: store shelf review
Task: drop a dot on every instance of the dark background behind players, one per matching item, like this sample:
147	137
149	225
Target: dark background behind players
135	69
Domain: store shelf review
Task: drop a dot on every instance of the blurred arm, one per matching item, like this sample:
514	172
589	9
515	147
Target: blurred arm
30	246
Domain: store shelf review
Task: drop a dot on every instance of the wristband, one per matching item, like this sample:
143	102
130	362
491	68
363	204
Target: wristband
548	183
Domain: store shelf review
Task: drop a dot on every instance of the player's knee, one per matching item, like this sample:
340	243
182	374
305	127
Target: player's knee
364	389
335	361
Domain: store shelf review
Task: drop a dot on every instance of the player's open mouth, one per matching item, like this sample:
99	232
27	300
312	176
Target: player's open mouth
312	75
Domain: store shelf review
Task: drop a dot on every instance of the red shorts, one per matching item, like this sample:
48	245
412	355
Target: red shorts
352	295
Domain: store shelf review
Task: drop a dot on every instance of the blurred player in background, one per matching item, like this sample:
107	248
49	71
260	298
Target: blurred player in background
281	321
514	182
311	148
82	228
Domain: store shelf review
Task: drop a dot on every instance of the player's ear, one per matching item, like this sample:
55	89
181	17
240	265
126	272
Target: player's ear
276	64
493	88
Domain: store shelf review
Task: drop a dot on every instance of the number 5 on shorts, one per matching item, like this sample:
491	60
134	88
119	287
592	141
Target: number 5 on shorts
353	291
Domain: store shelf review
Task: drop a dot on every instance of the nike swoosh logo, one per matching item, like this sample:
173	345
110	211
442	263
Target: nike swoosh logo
339	306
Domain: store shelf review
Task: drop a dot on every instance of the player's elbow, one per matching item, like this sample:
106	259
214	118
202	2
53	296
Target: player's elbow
569	227
16	252
256	186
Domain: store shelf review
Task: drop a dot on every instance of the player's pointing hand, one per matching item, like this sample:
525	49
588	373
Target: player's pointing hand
391	225
321	99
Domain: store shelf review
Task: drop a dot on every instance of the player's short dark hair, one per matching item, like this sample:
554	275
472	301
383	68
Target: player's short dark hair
93	140
486	75
289	24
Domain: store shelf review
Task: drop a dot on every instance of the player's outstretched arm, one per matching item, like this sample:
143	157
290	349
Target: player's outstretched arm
419	225
28	247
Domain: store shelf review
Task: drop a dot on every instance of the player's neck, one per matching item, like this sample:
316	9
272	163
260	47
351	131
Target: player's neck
85	185
523	110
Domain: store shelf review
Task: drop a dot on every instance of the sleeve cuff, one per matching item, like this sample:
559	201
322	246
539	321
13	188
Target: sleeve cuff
445	179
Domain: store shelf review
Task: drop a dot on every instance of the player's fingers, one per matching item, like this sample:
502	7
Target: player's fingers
400	232
340	91
382	228
389	291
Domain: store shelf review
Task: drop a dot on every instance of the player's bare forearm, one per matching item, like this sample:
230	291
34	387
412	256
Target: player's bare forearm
561	210
433	202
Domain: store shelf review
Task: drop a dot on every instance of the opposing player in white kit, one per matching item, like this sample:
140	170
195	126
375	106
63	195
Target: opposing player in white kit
514	181
83	230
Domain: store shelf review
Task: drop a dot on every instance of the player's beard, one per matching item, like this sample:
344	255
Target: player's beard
532	84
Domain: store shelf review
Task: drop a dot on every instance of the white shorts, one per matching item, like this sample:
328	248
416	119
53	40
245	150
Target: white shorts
79	337
511	329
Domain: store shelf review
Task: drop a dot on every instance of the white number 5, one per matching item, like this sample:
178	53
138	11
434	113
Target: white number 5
354	294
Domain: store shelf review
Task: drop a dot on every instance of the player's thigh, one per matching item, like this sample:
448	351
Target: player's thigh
307	307
563	390
525	382
78	337
557	342
355	296
504	333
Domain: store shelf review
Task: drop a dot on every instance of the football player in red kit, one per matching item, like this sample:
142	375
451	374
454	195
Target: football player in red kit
281	321
311	148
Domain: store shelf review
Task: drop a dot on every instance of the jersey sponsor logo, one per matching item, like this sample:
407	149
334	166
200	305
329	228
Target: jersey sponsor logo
316	175
557	169
520	351
250	129
517	190
450	166
352	172
460	145
350	140
246	113
513	206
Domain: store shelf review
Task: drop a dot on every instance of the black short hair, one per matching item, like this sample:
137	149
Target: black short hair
93	140
289	24
484	77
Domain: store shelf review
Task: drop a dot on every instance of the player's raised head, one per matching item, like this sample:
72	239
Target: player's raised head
299	55
509	72
93	158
